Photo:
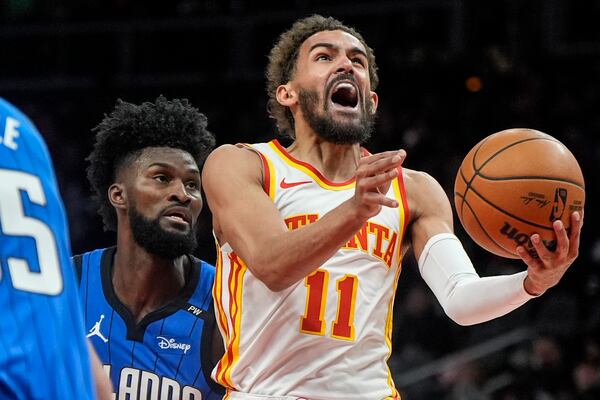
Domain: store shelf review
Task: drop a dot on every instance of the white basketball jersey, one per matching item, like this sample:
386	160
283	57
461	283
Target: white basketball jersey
327	337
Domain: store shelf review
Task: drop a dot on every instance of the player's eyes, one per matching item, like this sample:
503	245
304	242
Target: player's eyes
161	178
359	61
192	185
323	57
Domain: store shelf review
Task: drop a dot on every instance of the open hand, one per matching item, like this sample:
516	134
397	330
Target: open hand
373	178
548	269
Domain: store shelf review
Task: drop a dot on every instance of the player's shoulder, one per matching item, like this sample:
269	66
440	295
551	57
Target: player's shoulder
201	281
415	180
92	257
95	252
232	153
205	270
424	193
199	263
228	162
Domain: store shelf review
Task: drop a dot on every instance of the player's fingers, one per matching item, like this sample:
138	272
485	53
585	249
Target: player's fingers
575	234
379	199
383	164
527	258
542	251
384	154
373	182
562	240
375	158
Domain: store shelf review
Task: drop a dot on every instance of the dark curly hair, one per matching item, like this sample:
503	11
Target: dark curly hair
283	57
124	133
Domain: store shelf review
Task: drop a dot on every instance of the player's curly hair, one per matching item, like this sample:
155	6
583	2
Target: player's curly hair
282	63
124	133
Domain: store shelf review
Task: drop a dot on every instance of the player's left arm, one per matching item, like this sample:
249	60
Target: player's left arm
430	210
446	268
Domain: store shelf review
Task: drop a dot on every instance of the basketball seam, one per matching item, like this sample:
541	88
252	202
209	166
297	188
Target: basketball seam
528	177
468	182
476	218
509	214
475	169
478	171
504	148
467	185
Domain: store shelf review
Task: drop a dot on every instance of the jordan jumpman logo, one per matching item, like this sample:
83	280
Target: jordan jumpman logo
95	331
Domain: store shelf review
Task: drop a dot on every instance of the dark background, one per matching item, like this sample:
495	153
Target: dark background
65	62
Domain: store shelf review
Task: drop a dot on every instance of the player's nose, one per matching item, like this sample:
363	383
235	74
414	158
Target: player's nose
178	192
345	65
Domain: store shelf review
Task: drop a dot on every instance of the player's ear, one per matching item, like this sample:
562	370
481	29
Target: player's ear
117	195
374	102
286	96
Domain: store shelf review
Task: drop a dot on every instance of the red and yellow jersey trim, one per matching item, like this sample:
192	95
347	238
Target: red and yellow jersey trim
268	176
400	182
403	211
221	317
309	169
388	336
268	171
400	194
234	287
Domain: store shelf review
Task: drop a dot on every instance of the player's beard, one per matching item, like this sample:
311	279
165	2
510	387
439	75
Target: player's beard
331	130
155	240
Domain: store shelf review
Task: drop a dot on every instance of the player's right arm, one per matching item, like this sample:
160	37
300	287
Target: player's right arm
246	218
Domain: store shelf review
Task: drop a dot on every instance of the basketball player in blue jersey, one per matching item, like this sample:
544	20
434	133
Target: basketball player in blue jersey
43	351
311	236
148	305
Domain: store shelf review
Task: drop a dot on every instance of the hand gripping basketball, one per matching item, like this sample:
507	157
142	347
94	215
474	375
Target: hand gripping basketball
547	267
514	184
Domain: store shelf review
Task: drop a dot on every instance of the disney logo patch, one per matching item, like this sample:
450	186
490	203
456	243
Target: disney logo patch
172	345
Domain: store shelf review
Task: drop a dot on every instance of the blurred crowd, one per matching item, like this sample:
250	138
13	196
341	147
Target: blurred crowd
452	72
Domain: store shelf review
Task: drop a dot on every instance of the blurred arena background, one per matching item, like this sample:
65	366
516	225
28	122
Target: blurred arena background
451	71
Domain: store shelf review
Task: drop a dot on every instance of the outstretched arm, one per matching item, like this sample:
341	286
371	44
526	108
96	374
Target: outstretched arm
245	217
448	271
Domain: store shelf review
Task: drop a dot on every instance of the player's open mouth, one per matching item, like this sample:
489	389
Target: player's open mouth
345	94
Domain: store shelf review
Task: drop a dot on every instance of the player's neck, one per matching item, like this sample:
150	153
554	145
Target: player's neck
336	162
143	281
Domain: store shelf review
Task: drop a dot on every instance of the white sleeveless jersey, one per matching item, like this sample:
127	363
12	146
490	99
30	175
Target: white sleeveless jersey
327	337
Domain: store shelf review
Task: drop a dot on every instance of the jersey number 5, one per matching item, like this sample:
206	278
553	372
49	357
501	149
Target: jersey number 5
14	222
312	321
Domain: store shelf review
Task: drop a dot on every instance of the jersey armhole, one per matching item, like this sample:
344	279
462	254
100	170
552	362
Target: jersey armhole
77	262
268	172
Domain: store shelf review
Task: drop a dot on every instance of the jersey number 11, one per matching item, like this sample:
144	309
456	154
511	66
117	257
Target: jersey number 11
312	321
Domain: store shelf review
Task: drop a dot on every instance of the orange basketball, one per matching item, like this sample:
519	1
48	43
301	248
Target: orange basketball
515	183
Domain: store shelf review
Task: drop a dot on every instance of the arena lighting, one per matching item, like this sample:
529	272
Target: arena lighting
474	84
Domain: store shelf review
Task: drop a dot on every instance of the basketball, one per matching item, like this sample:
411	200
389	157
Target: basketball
513	184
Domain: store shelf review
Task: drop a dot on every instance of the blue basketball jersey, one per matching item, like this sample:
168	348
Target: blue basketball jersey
43	354
166	356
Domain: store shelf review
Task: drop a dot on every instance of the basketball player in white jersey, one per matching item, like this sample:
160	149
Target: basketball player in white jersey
311	237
